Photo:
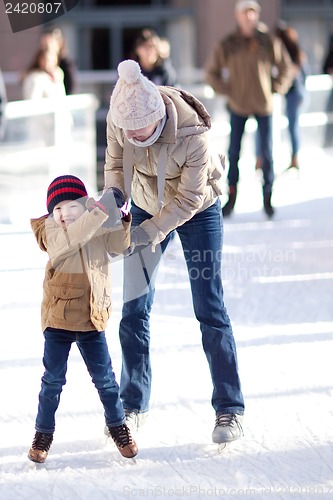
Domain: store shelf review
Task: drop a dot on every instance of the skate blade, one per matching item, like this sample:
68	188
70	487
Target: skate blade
222	447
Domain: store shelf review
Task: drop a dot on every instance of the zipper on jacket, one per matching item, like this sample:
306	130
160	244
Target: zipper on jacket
148	161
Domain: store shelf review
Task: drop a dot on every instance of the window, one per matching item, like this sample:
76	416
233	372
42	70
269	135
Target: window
101	48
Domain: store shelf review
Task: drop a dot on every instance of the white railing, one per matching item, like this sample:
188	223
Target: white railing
43	139
40	142
316	117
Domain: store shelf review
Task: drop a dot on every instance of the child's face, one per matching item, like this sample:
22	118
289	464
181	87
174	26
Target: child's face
67	211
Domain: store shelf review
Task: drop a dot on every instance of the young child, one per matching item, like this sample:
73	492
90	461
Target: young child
78	234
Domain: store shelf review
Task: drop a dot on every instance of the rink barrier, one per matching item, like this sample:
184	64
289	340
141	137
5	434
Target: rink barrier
43	139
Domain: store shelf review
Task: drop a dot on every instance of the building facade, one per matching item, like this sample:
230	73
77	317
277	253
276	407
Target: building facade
99	33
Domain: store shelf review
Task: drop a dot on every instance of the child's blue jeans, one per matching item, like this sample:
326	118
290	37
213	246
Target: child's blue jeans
94	350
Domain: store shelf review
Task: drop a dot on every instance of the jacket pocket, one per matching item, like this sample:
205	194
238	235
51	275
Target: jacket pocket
66	301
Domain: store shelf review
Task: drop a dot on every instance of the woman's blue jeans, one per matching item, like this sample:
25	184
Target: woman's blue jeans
237	124
94	350
201	239
294	100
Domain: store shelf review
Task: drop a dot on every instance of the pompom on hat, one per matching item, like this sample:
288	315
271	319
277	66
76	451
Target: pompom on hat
135	101
65	187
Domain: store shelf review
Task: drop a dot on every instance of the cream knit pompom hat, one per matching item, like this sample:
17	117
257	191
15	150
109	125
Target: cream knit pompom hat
135	101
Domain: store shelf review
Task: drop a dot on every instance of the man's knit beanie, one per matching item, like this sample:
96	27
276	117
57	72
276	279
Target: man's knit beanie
135	101
65	187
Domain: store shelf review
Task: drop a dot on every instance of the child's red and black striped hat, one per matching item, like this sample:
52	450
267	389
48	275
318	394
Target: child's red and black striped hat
65	187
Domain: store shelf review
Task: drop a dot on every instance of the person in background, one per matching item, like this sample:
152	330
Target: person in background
56	40
328	61
248	68
79	234
153	55
3	102
294	98
43	78
158	154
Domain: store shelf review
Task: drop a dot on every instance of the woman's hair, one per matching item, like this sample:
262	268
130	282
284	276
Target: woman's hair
289	37
146	35
41	52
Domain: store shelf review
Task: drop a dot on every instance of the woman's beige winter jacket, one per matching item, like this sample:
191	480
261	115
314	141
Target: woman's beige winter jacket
174	178
76	289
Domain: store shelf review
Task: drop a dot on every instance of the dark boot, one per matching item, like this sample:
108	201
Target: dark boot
229	206
121	435
40	447
268	205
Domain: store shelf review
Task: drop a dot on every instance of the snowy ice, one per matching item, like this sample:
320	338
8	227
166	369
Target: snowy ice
278	278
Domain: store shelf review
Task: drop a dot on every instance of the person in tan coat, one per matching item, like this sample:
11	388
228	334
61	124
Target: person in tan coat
248	67
158	156
79	234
